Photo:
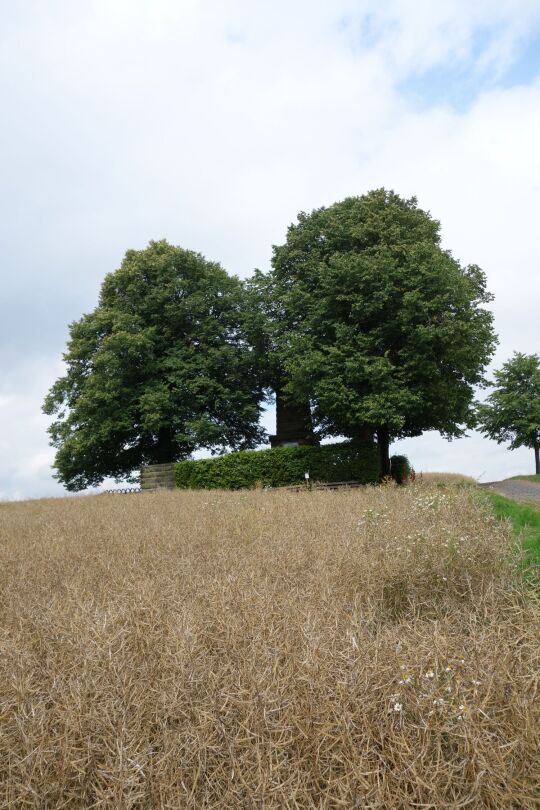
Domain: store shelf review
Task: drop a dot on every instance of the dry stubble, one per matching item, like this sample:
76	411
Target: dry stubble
367	649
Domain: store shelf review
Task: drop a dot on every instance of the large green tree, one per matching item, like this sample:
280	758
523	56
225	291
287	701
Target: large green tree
160	368
381	328
511	413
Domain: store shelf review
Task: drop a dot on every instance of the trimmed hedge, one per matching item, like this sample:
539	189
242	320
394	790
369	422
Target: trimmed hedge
282	466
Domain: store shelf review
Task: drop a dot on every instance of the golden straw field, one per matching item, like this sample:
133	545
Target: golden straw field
352	649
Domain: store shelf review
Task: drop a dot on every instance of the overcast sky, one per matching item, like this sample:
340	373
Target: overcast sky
212	123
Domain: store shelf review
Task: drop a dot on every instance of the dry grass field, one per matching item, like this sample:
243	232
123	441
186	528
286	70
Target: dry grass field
359	649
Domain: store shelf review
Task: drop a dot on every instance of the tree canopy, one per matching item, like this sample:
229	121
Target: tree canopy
379	326
364	325
511	412
159	368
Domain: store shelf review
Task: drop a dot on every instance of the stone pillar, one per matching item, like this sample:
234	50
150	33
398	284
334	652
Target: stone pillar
293	424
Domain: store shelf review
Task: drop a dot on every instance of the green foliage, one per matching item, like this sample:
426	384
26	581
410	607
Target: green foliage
400	469
535	479
511	412
160	368
262	320
525	523
282	466
378	325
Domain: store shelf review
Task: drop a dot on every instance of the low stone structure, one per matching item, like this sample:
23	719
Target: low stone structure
157	476
293	424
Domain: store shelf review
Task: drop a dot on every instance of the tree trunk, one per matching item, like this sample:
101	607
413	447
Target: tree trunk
383	441
537	458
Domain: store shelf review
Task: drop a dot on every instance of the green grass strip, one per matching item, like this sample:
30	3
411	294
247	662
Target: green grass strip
525	523
534	478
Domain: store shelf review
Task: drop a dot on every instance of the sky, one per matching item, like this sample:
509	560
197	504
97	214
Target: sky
212	123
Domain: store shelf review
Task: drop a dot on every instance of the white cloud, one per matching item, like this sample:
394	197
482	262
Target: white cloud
212	124
25	469
416	35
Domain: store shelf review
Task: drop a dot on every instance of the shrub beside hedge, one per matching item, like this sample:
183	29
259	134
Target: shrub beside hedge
400	469
282	466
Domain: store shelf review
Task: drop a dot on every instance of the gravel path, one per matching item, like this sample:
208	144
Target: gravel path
525	491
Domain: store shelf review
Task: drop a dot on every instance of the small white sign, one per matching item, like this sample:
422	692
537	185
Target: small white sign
306	476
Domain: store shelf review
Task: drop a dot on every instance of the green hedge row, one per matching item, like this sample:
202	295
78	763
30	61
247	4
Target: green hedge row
282	466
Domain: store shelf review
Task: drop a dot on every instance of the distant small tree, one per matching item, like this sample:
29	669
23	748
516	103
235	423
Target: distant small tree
162	366
511	412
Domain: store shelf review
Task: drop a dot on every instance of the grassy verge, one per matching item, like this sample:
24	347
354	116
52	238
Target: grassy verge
525	521
534	478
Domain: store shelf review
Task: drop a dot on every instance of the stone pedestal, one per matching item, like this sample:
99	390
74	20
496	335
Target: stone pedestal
293	424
